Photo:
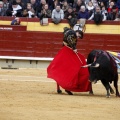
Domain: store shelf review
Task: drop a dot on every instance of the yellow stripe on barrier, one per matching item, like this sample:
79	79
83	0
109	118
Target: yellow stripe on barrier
5	22
90	28
104	29
49	28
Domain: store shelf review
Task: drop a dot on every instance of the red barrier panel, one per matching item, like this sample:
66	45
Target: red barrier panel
13	28
47	44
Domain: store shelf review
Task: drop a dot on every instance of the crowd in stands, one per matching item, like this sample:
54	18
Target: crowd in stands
72	10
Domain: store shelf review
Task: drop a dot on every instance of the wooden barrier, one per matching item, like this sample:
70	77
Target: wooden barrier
31	45
19	41
47	44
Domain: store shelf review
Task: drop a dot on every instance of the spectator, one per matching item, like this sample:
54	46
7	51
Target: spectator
71	17
104	11
61	2
113	14
45	13
74	9
110	6
57	14
103	2
65	6
25	2
30	10
2	9
71	2
95	3
56	2
117	16
25	13
14	10
40	7
5	6
83	13
87	1
90	8
16	21
98	16
19	2
118	4
34	5
78	5
51	4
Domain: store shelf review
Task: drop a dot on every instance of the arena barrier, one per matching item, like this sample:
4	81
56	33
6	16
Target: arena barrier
31	40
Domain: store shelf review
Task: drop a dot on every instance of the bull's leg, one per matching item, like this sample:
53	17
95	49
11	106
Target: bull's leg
68	92
111	90
116	86
91	90
59	91
107	86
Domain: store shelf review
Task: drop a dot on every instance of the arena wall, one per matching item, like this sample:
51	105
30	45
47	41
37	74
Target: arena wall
30	39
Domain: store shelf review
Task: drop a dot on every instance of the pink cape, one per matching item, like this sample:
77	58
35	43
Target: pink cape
66	70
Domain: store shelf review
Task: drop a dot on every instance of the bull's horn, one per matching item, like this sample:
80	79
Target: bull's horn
97	65
86	66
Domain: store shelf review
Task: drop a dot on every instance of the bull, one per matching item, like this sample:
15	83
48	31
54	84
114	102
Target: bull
102	66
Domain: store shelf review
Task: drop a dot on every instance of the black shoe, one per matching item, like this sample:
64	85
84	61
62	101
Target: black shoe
68	92
59	91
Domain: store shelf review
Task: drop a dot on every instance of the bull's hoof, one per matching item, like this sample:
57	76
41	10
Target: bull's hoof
107	96
59	91
112	91
68	92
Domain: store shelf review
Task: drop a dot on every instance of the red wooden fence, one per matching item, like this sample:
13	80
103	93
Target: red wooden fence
47	44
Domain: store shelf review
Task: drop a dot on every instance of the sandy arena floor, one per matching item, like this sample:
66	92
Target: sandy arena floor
26	94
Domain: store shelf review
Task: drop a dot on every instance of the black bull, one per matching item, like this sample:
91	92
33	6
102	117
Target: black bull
102	66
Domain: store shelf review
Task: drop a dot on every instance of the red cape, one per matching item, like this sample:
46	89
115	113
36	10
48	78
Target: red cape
66	70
